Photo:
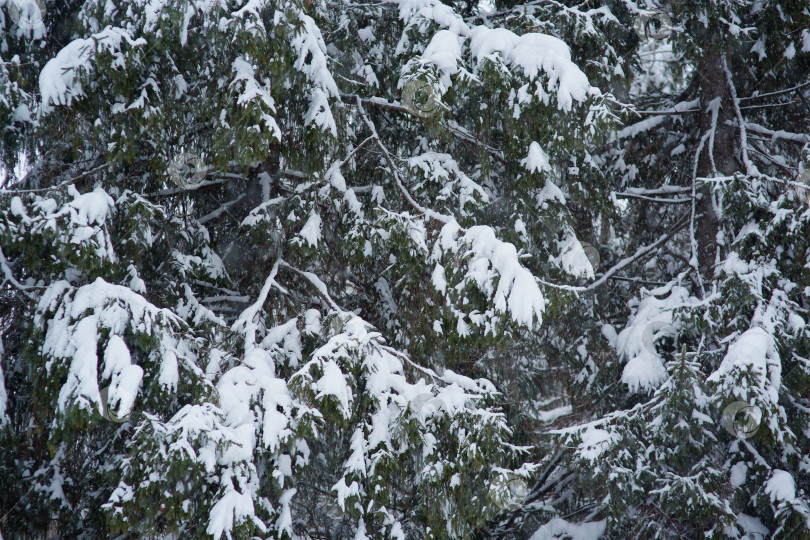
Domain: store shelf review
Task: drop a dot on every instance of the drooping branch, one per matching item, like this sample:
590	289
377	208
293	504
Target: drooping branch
777	93
653	199
316	282
801	138
219	211
247	320
9	275
663	190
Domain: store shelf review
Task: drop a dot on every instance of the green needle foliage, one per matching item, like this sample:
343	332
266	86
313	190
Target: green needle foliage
364	269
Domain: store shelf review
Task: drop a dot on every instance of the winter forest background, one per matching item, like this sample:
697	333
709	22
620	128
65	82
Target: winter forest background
348	269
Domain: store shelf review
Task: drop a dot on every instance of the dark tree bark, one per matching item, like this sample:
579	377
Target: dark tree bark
717	152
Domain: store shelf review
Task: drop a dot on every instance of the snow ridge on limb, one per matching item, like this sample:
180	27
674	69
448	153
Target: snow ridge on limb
355	356
81	222
484	259
443	170
77	318
652	319
245	116
249	91
312	61
531	53
751	372
59	82
558	526
422	12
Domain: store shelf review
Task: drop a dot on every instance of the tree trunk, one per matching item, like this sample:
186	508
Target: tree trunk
716	156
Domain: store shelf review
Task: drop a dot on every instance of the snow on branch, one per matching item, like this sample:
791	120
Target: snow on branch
751	372
533	53
517	293
653	319
251	92
649	123
487	259
76	321
802	138
312	62
422	12
754	352
443	170
80	223
59	81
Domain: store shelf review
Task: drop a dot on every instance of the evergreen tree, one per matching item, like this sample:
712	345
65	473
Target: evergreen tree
410	269
711	165
262	255
657	463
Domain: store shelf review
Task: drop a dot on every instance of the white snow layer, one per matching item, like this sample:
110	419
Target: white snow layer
125	377
652	320
444	52
488	259
312	62
73	335
253	91
753	353
781	486
311	231
532	53
536	160
81	221
594	442
435	11
573	258
58	81
558	528
753	527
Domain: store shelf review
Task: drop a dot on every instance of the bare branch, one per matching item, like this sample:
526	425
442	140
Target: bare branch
219	211
10	275
663	190
777	93
640	252
626	195
451	125
778	134
750	168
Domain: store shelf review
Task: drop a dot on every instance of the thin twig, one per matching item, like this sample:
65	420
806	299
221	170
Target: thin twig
625	195
451	126
750	168
10	276
354	151
57	186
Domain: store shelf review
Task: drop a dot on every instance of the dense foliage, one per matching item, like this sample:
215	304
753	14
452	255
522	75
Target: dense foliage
408	269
